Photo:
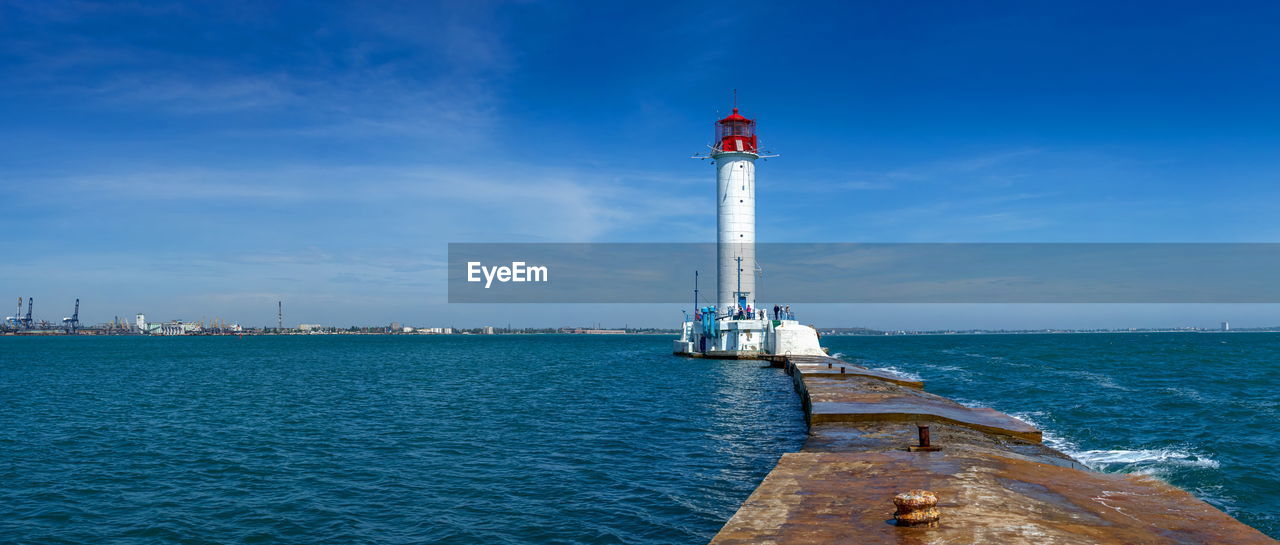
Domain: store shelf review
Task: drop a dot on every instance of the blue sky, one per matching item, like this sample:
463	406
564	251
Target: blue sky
201	160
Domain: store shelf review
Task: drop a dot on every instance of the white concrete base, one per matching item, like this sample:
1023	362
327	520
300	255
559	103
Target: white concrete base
748	339
682	347
792	339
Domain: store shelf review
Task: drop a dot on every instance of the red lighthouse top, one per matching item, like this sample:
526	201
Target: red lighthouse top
736	133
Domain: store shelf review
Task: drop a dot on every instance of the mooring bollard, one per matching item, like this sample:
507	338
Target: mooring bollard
916	507
924	445
841	369
828	365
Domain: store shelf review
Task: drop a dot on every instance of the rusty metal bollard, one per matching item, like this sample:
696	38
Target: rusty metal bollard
925	445
916	507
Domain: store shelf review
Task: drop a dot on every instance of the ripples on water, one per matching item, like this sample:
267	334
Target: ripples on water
524	439
1197	410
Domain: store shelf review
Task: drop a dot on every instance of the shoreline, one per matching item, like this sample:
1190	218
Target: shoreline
92	333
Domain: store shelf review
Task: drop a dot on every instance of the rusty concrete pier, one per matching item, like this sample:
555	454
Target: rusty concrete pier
995	481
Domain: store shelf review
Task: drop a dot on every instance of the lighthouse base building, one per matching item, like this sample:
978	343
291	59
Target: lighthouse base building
736	327
748	339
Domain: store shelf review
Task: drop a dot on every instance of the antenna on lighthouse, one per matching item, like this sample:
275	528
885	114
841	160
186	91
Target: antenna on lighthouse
739	260
759	280
695	291
740	296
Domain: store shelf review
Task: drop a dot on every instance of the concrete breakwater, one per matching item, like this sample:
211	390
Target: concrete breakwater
995	481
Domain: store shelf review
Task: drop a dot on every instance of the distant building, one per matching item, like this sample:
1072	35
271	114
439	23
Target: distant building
167	328
488	330
1226	326
141	322
395	327
601	331
172	327
309	327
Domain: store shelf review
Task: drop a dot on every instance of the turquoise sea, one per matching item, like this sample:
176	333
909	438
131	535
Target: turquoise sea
550	439
1199	410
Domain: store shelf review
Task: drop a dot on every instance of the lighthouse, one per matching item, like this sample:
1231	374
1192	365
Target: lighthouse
735	152
726	330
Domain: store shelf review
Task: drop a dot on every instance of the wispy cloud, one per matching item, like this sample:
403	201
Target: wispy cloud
447	203
430	74
191	95
944	220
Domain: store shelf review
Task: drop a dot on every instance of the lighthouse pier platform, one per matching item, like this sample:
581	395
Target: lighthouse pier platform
994	479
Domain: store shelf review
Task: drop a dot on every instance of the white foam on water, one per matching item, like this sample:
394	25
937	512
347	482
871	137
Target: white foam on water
1219	496
951	372
1189	394
1155	462
1146	461
950	368
838	355
984	356
895	371
1096	378
1050	438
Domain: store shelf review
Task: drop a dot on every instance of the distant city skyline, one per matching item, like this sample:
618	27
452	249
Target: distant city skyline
197	161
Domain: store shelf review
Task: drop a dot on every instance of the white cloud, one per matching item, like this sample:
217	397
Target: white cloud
442	203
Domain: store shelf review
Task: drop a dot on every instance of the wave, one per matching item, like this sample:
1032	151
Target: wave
1267	407
984	356
969	403
951	368
1142	460
1049	438
904	374
1154	462
1189	394
1106	382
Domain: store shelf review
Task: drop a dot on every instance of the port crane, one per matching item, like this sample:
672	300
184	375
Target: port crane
16	319
73	323
27	322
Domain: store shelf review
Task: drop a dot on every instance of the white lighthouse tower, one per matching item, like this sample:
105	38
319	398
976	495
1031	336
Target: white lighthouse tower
735	153
736	327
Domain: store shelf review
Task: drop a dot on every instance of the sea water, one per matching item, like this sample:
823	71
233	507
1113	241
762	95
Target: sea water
380	439
550	438
1198	410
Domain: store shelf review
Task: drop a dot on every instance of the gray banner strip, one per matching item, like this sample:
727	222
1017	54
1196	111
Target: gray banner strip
871	273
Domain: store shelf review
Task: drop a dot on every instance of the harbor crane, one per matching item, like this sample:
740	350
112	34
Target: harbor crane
16	319
73	323
27	321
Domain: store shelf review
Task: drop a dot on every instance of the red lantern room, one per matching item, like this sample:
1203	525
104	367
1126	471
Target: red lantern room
736	133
